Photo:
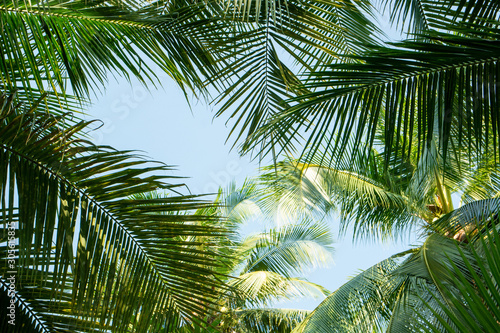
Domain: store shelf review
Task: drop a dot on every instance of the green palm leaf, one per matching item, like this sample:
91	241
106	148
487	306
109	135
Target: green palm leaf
264	320
389	295
51	44
262	288
88	255
289	249
367	198
476	307
258	78
360	305
444	89
420	16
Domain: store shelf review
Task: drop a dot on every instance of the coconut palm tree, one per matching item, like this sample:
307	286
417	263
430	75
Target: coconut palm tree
409	288
78	253
264	267
444	285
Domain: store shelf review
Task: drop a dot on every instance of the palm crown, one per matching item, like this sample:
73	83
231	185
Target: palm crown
404	290
266	266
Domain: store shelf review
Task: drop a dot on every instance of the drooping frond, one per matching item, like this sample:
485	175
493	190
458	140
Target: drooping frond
86	254
470	221
424	273
259	77
484	181
420	16
388	296
444	90
73	46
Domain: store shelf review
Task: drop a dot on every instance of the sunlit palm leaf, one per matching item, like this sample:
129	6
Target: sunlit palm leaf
368	199
261	288
290	249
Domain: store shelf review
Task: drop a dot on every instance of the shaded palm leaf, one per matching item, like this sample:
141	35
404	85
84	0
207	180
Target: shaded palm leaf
257	81
447	89
50	44
88	254
476	308
264	320
465	220
420	16
388	296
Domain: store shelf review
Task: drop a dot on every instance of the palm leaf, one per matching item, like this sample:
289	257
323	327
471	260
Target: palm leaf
360	305
420	16
262	288
367	198
51	43
465	220
89	255
257	79
262	320
445	90
290	249
476	307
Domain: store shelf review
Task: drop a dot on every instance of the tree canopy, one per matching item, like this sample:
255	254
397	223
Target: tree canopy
387	133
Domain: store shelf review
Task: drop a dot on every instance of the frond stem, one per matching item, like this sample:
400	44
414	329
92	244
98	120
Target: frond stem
90	199
26	308
79	17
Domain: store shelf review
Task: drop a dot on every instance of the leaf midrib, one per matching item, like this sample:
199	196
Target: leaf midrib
32	11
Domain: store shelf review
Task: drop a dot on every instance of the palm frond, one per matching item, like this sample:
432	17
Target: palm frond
368	199
49	45
290	249
445	90
421	16
360	305
476	307
264	320
88	255
258	78
484	181
261	288
470	221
